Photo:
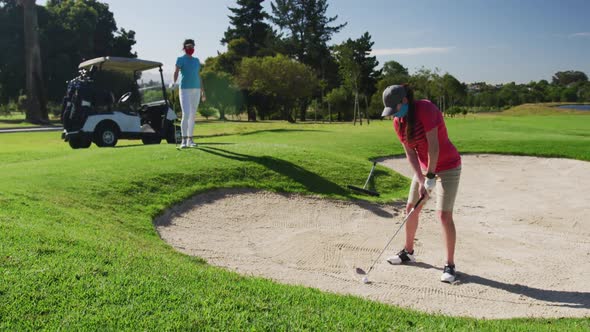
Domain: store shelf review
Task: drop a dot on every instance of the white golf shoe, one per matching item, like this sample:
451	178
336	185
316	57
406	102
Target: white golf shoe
402	257
449	274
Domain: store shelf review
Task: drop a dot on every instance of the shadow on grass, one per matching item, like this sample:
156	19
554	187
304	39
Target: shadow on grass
171	144
127	146
281	130
258	132
311	181
214	143
579	300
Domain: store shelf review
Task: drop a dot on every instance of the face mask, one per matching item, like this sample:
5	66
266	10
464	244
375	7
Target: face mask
403	111
189	51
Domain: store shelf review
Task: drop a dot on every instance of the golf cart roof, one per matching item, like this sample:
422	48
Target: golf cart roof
120	64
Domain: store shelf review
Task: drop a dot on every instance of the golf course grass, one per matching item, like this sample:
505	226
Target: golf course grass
17	120
78	250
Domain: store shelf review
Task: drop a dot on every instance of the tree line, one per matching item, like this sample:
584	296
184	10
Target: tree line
67	32
277	65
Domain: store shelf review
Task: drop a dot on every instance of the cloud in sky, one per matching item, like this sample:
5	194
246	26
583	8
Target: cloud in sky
412	51
580	34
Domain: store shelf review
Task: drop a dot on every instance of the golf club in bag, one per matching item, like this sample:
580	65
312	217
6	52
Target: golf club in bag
364	189
177	137
366	274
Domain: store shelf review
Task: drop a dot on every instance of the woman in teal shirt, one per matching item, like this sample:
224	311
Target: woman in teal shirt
191	88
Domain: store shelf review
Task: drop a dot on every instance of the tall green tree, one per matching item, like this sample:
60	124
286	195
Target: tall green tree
229	62
453	91
266	77
339	100
350	68
12	56
247	36
78	30
69	31
36	102
358	69
537	91
395	72
426	83
222	93
248	22
568	77
584	92
363	47
306	30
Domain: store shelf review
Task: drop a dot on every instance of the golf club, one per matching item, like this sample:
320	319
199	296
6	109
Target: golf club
173	88
364	189
366	274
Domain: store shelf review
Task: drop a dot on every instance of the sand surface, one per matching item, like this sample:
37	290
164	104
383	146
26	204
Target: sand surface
523	245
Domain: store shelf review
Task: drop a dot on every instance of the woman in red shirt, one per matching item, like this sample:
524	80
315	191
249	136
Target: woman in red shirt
436	164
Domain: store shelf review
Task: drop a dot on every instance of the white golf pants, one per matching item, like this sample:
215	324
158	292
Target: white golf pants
189	101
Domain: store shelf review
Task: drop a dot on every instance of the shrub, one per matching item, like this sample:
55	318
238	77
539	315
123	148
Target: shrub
208	111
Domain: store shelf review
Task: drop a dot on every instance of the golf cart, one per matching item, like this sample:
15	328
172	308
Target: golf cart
92	113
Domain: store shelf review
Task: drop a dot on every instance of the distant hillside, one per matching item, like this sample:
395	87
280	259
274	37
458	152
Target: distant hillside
542	109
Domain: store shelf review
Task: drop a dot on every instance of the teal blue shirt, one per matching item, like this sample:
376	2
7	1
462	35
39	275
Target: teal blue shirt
189	70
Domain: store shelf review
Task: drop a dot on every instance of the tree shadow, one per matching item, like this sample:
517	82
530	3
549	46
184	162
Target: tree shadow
214	143
258	132
141	144
128	146
576	300
311	181
281	130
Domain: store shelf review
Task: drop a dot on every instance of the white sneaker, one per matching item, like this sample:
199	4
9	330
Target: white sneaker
449	275
402	257
191	144
183	145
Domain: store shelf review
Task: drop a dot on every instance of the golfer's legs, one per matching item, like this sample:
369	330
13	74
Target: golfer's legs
446	191
188	110
194	106
449	233
185	106
447	184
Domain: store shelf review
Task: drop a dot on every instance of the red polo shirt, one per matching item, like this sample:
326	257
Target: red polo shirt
428	117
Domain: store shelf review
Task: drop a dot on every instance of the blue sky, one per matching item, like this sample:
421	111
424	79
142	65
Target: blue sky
496	41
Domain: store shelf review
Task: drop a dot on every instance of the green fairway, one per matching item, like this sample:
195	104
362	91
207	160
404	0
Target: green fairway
17	120
78	250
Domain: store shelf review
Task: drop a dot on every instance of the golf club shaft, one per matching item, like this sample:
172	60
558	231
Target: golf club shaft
393	237
370	174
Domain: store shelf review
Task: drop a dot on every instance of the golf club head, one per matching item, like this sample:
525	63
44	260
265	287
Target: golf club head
360	271
363	191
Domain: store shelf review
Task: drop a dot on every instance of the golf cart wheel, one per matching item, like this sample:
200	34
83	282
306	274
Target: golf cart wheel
79	142
151	140
106	134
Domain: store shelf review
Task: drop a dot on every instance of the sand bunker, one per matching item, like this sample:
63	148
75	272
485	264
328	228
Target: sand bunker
523	245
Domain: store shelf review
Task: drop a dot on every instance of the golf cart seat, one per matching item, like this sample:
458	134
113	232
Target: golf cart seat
105	99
